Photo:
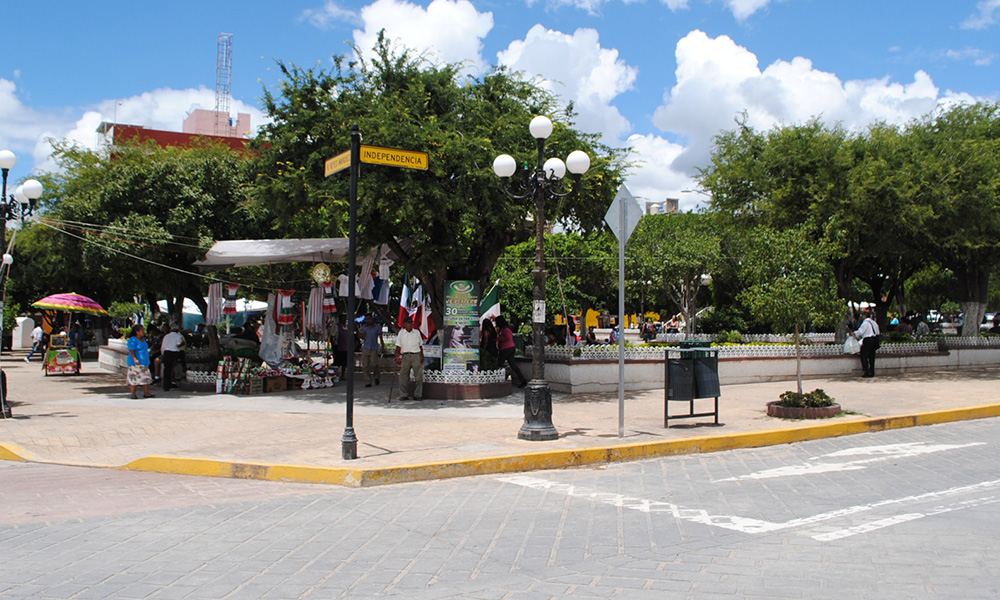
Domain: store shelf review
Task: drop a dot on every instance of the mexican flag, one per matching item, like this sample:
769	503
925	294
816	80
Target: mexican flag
489	306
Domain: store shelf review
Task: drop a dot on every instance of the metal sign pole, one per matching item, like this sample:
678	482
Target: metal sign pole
349	441
622	236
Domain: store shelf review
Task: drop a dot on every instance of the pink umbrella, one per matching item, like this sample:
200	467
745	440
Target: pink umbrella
70	302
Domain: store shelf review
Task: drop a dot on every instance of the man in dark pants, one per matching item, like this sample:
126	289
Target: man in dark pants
868	333
171	350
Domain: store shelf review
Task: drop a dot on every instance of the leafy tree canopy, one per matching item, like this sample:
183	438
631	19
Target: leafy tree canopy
449	222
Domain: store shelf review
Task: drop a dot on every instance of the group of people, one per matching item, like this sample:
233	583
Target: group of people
146	356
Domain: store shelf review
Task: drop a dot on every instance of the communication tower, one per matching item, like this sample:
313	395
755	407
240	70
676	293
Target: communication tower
223	81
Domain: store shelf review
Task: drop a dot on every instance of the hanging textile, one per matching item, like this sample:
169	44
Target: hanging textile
315	320
214	315
383	293
286	308
344	283
366	283
229	305
329	297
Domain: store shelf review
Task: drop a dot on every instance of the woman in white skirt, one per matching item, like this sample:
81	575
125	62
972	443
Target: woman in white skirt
138	362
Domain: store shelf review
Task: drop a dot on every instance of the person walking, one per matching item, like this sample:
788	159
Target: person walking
372	347
76	343
868	333
171	351
36	342
410	357
506	349
138	362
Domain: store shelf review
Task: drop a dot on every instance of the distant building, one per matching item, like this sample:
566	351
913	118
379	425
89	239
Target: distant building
199	124
204	122
667	207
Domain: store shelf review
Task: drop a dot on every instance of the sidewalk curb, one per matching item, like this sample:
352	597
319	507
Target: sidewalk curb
512	463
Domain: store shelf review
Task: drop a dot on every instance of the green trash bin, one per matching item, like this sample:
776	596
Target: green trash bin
518	344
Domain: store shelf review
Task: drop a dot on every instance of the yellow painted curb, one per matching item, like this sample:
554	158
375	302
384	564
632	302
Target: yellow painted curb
532	461
15	453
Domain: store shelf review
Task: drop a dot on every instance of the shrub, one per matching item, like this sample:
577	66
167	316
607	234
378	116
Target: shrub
814	399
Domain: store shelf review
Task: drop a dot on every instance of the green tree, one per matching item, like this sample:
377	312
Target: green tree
134	222
452	221
957	173
678	253
581	270
790	285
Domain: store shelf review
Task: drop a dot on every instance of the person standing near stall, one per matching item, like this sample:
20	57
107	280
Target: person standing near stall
171	351
506	349
138	362
372	346
410	357
76	343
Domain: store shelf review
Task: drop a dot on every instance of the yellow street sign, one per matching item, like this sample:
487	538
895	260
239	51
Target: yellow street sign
393	157
338	163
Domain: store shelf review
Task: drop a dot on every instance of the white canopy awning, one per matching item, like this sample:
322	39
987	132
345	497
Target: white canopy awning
244	253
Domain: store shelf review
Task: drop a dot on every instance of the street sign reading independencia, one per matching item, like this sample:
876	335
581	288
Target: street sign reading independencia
375	155
394	157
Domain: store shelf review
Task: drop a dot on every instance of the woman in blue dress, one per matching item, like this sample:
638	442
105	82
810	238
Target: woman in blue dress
138	362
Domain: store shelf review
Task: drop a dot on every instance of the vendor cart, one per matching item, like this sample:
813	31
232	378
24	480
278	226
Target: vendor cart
60	358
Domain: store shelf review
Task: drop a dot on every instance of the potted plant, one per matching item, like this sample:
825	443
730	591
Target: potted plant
817	404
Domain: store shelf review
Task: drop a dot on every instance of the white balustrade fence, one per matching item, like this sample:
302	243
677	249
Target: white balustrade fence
465	377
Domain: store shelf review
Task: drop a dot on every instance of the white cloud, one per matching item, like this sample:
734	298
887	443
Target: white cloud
717	80
577	69
447	31
330	13
986	16
742	9
978	56
653	179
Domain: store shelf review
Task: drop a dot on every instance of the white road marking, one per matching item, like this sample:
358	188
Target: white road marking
876	454
751	526
873	525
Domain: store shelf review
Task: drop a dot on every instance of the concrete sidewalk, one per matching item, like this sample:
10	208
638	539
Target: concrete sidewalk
89	420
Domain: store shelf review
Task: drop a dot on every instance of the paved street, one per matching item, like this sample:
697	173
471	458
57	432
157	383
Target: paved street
911	513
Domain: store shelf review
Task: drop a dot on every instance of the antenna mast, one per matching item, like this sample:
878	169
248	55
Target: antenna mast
223	81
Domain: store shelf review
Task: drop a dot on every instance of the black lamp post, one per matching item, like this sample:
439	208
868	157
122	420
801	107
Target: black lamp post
18	205
543	184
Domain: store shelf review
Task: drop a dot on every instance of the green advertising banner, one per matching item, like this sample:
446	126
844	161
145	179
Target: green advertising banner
461	326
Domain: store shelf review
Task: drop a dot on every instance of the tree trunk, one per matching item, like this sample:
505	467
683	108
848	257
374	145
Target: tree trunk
798	359
974	283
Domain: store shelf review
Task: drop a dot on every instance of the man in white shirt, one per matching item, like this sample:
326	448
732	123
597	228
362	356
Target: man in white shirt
868	333
171	351
36	342
410	356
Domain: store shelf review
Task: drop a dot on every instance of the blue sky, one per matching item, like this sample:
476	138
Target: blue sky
661	76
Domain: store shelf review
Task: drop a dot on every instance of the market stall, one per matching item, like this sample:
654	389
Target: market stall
62	355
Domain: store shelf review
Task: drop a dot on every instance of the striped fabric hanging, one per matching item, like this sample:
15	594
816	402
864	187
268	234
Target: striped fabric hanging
214	315
286	308
229	304
329	297
315	319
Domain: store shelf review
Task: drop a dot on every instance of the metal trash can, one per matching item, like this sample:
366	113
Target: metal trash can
691	372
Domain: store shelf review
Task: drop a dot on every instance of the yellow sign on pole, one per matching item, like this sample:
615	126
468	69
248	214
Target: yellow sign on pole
338	163
394	157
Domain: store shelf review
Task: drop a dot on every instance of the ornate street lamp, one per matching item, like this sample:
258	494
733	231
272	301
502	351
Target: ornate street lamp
19	205
543	184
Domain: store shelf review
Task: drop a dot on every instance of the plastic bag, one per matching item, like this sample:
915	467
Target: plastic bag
852	345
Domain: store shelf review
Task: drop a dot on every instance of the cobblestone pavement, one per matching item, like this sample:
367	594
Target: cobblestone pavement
911	513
